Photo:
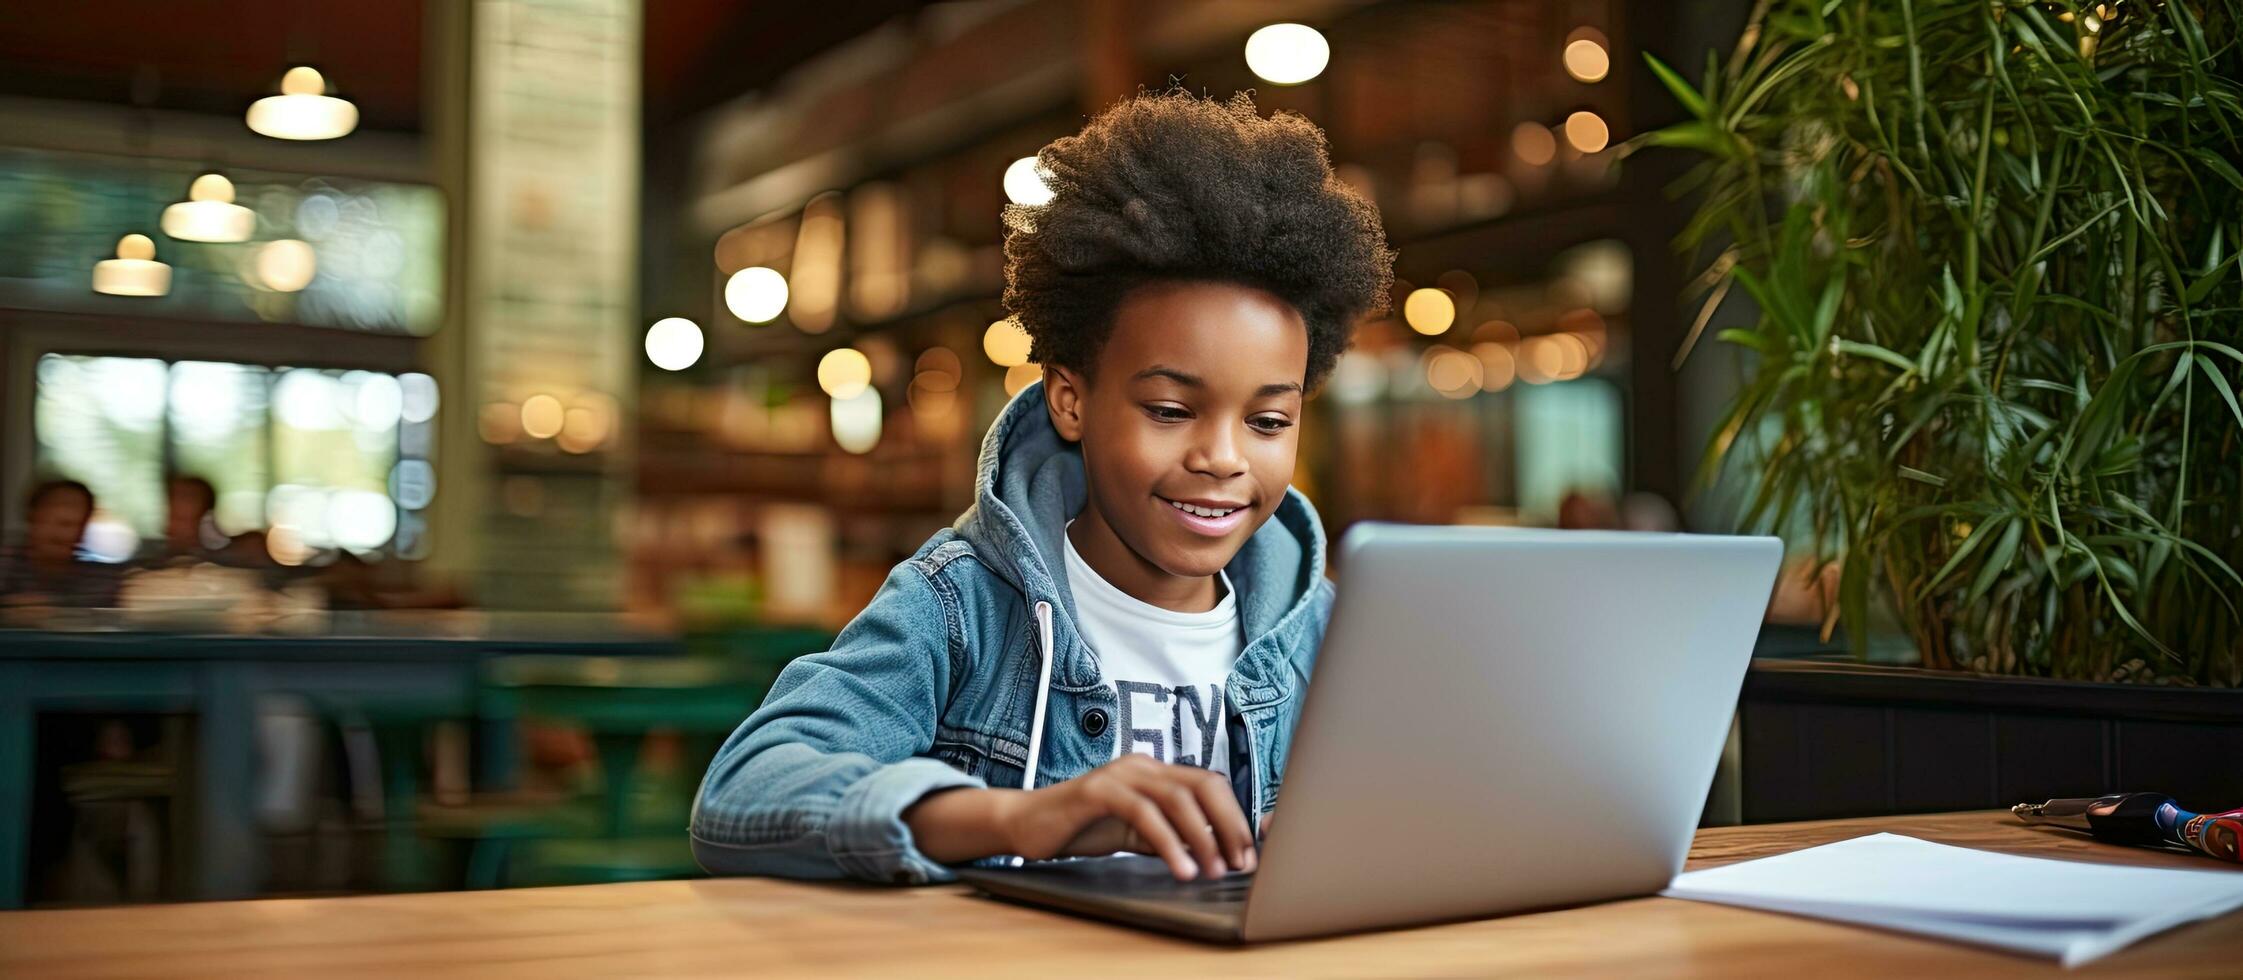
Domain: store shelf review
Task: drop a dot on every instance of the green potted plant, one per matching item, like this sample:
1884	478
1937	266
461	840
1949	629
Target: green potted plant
1991	374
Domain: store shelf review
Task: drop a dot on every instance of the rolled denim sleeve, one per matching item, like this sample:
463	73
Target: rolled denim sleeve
815	782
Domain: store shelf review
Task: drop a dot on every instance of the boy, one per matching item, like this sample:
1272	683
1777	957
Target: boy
1107	652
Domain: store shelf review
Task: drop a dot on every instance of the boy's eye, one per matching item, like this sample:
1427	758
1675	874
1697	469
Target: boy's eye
1270	423
1167	413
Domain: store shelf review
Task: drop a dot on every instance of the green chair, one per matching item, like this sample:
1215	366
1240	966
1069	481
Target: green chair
399	724
639	825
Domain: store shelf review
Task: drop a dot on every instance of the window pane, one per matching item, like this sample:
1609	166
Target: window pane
309	454
1569	439
334	441
218	432
100	421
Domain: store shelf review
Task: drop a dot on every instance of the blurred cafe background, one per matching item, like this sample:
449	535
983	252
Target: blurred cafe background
426	426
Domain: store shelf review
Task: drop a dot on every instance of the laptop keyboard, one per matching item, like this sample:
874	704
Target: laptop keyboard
1231	889
1136	876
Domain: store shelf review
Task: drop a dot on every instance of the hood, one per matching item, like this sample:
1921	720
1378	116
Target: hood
1030	484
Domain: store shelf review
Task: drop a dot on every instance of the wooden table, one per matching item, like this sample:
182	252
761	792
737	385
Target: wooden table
762	928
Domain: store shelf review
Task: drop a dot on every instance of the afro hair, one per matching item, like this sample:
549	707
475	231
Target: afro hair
1176	186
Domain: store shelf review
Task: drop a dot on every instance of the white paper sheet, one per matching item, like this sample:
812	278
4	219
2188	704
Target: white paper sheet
2067	910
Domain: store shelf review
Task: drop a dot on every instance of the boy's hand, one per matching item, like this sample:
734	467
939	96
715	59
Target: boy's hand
1185	815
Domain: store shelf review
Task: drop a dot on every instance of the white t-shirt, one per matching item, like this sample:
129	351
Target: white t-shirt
1166	668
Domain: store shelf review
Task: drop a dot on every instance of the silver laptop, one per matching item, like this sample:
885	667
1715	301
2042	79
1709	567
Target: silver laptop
1500	720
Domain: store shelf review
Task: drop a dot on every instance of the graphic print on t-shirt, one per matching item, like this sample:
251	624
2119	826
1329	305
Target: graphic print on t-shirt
1171	724
1166	668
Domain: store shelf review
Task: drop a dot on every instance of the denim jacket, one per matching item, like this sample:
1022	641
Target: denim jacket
935	684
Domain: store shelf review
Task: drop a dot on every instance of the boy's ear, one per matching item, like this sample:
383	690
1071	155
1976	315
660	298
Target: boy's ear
1064	398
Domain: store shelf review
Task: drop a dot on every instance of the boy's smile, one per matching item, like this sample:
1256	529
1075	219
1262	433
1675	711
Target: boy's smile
1189	428
1210	517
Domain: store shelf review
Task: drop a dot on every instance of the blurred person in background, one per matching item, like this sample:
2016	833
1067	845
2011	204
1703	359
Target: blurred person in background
1591	509
1194	276
1587	510
189	534
48	569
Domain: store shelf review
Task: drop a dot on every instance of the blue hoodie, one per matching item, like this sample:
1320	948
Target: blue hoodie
936	684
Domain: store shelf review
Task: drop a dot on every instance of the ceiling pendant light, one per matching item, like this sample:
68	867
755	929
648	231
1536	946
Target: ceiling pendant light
209	213
134	272
303	110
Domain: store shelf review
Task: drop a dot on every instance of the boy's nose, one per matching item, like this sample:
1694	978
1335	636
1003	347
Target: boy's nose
1217	454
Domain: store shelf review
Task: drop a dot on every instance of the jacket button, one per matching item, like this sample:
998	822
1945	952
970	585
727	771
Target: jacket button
1094	722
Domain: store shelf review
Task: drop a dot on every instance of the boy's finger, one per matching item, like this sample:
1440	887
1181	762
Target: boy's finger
1178	800
1229	821
1151	824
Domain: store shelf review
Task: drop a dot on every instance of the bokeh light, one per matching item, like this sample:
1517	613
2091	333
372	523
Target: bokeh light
360	520
1534	144
1452	373
303	509
1287	54
1586	60
1573	355
673	343
412	483
587	424
1021	376
1429	311
1539	360
844	372
1498	366
1605	271
1587	327
756	294
856	420
109	538
309	400
377	401
1024	183
1006	343
1587	132
1552	357
420	397
542	416
285	265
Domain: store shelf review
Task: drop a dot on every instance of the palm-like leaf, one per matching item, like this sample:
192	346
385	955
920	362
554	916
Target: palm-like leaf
1994	247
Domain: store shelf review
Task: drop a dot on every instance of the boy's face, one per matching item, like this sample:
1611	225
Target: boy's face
1197	402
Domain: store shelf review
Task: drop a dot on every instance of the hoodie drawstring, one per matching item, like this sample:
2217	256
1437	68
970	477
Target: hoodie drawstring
1043	700
1043	693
